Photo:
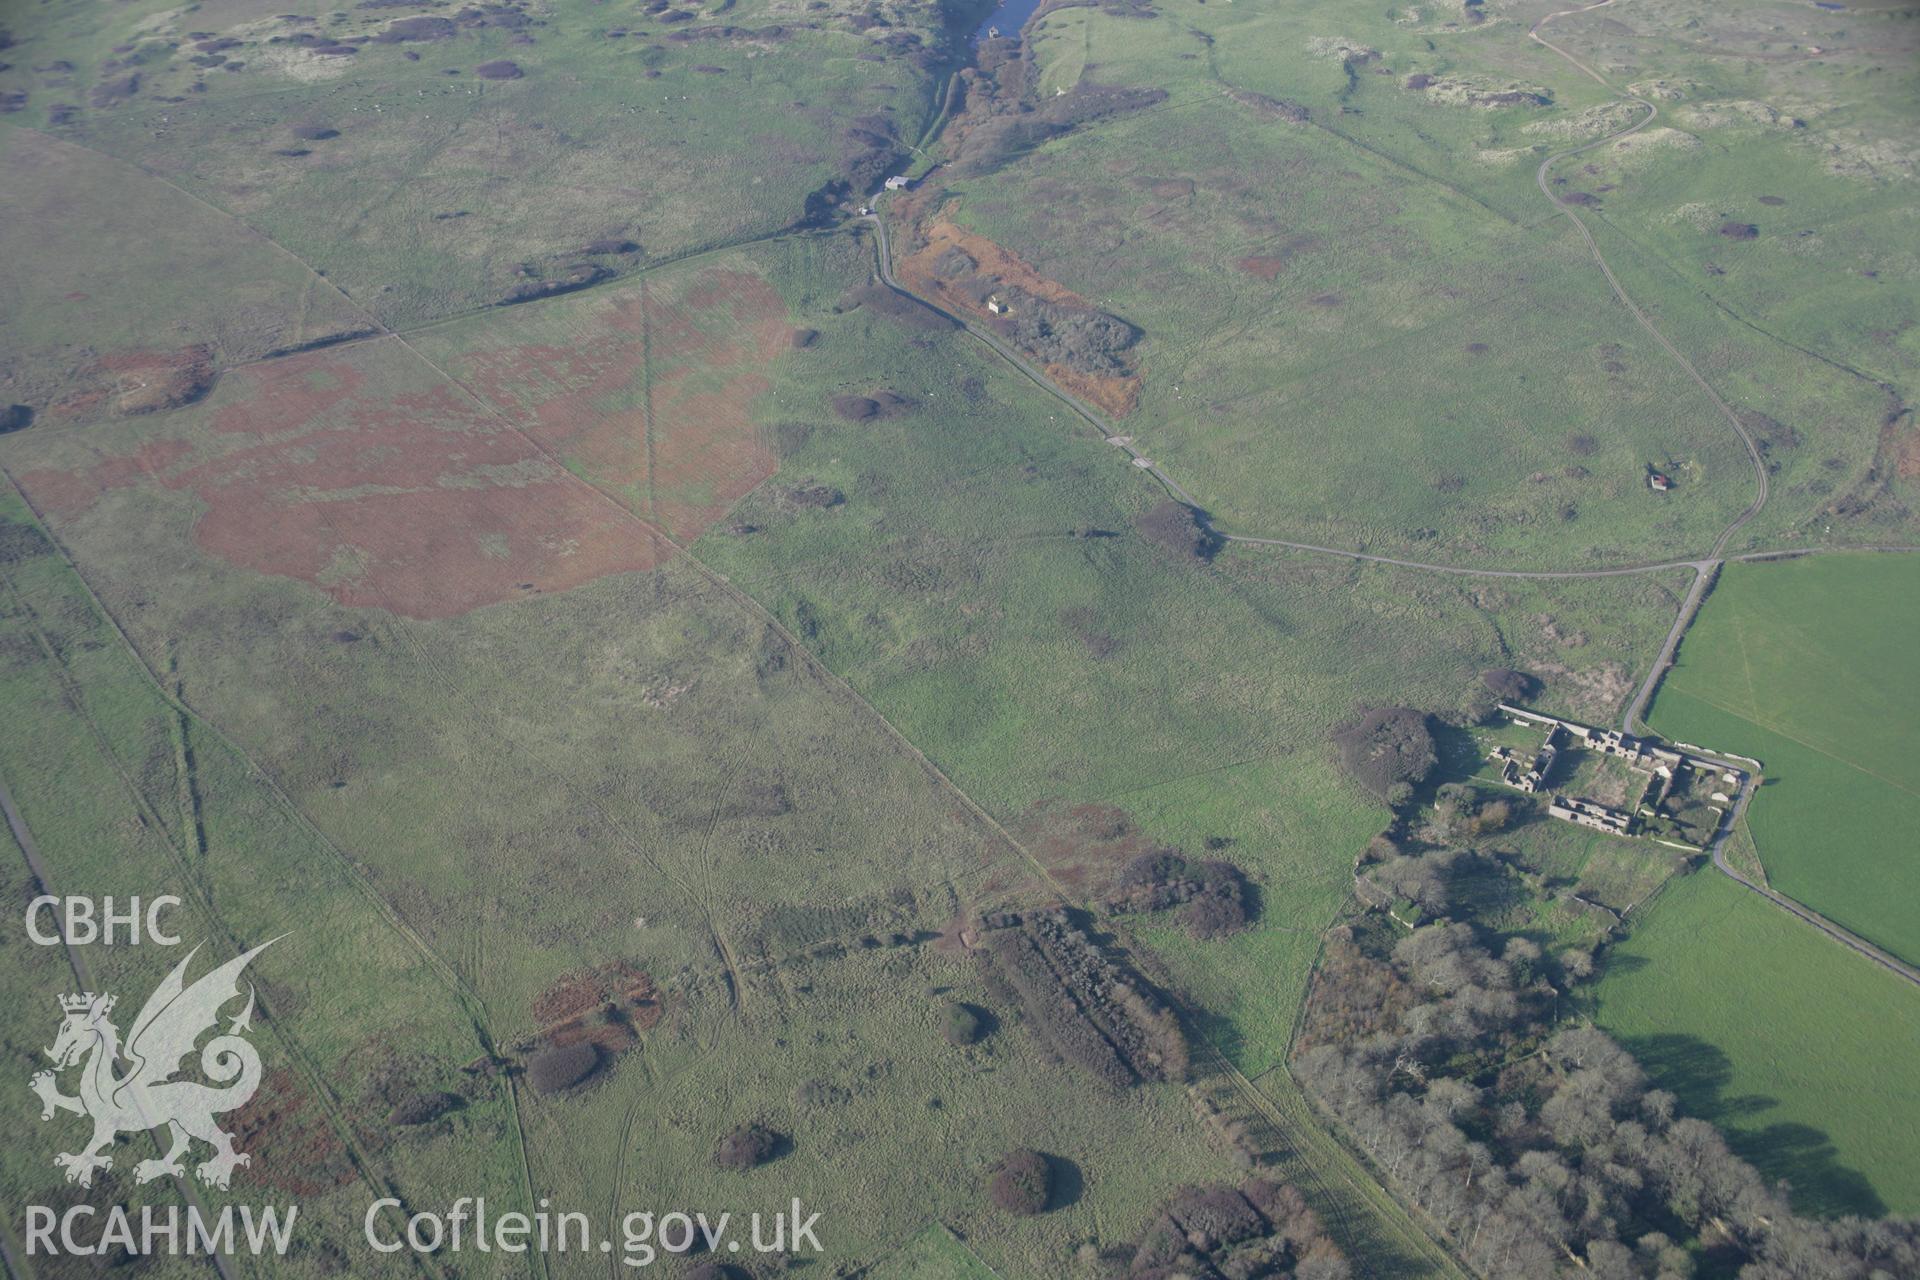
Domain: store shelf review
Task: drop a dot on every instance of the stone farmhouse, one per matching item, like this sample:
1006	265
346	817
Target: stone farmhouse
1588	813
1663	765
1534	776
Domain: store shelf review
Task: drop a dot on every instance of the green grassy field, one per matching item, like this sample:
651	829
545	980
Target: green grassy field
72	334
1387	272
935	1254
1799	1049
861	1078
1808	666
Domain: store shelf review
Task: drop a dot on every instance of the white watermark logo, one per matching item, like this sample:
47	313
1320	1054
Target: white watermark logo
642	1237
145	1095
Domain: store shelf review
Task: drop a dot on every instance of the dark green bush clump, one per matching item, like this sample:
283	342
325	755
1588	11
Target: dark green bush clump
1509	685
1021	1182
1389	751
964	1024
748	1146
1179	528
422	1108
1082	339
1214	894
563	1066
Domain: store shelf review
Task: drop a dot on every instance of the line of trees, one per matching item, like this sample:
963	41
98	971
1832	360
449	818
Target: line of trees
1543	1153
1258	1230
1213	895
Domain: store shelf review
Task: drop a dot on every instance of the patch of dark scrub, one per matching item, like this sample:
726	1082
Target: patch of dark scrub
1081	338
1213	895
1008	125
881	404
111	93
498	69
421	28
12	100
504	17
897	307
1509	685
869	148
1085	1004
801	339
20	542
749	1146
314	132
579	276
1389	751
1510	98
1276	108
612	244
15	417
1260	1228
815	497
1768	433
1021	1182
423	1107
1178	528
1739	231
560	1068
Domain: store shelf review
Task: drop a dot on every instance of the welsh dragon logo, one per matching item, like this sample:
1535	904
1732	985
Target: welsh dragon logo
145	1095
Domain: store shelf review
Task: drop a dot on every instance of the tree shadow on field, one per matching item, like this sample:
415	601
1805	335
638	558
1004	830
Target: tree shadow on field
1699	1073
1456	756
1067	1183
1624	962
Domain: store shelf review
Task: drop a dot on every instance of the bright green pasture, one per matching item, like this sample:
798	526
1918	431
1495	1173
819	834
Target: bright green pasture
1800	1049
1810	666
